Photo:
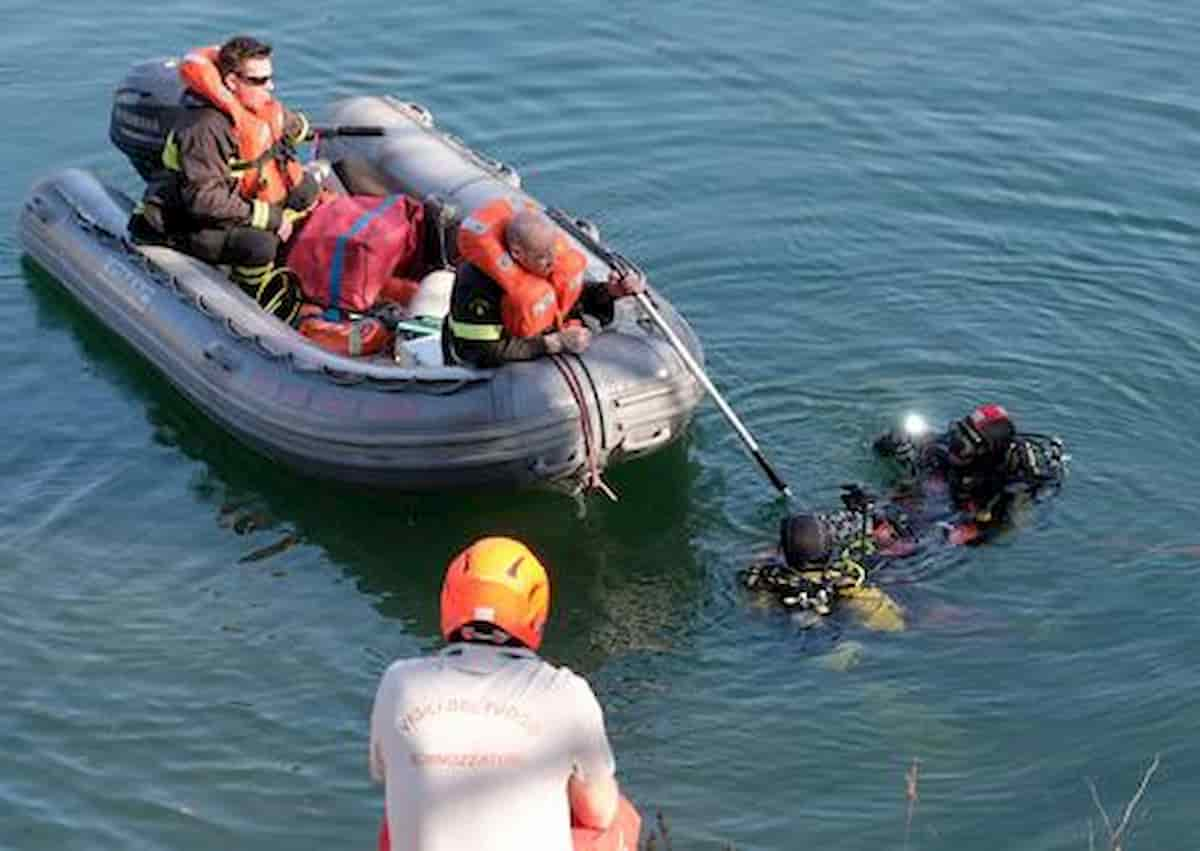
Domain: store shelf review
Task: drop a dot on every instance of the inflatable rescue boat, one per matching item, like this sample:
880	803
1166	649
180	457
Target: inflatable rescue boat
401	418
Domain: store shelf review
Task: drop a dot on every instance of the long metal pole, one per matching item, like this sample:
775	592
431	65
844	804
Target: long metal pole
747	439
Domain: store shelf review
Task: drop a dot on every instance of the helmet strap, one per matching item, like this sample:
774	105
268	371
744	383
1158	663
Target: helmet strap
482	632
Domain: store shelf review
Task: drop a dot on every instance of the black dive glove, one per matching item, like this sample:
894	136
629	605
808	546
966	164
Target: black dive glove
304	195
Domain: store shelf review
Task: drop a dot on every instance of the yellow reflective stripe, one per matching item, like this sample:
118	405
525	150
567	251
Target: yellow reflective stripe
260	216
170	153
238	167
291	314
472	331
273	303
253	272
302	133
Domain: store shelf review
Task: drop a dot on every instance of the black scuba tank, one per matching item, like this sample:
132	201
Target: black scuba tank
146	104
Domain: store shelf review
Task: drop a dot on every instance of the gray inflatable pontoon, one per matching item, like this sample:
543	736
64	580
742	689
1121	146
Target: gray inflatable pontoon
403	420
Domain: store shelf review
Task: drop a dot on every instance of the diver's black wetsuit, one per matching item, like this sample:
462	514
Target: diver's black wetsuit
980	462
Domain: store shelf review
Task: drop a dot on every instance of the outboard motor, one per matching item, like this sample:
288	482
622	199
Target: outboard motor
145	107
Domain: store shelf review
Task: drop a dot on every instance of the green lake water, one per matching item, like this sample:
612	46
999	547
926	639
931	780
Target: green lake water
863	209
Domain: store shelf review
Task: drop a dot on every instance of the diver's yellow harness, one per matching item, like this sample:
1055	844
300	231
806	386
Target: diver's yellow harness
817	589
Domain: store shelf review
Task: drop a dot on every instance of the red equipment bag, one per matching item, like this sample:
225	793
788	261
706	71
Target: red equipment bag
350	246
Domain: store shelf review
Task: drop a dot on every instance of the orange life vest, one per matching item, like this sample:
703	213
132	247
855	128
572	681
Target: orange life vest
531	305
264	175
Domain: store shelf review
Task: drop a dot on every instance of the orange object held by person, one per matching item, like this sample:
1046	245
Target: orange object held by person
531	305
259	131
622	834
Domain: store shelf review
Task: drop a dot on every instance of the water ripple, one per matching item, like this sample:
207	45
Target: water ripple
863	209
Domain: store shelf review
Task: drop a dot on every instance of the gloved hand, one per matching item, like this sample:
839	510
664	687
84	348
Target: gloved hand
299	203
304	195
574	339
627	283
294	216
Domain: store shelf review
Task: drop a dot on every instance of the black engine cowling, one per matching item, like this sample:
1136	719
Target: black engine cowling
145	107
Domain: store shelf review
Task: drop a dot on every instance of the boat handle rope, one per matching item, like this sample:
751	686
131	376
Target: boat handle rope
596	398
624	265
592	480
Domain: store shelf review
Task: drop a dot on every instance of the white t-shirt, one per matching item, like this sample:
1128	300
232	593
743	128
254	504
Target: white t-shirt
476	745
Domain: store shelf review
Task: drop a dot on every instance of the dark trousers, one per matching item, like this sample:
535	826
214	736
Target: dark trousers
250	253
238	246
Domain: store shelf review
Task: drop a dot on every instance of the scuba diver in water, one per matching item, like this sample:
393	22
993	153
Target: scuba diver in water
825	559
980	466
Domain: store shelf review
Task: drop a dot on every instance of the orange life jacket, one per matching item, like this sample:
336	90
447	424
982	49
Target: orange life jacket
265	175
531	305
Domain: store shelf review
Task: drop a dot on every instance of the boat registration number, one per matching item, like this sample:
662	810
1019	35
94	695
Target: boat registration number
130	286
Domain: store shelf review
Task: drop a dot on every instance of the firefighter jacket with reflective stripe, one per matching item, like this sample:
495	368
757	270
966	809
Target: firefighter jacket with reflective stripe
475	334
203	158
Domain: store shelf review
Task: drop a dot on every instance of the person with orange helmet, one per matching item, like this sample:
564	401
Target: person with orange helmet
485	745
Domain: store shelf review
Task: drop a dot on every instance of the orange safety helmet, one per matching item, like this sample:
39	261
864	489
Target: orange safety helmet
497	581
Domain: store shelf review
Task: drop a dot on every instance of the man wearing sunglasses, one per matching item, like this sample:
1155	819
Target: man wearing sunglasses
233	186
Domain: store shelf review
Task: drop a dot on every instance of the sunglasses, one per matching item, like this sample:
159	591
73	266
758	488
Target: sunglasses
256	81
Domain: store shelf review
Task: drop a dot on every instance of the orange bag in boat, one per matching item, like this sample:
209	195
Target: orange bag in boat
351	337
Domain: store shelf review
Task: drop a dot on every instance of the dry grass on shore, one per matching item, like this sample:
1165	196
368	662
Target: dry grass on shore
1115	834
1115	838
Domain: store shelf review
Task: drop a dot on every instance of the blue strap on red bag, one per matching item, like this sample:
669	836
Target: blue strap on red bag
337	267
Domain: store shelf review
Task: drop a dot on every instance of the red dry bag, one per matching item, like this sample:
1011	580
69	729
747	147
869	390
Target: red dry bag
352	245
